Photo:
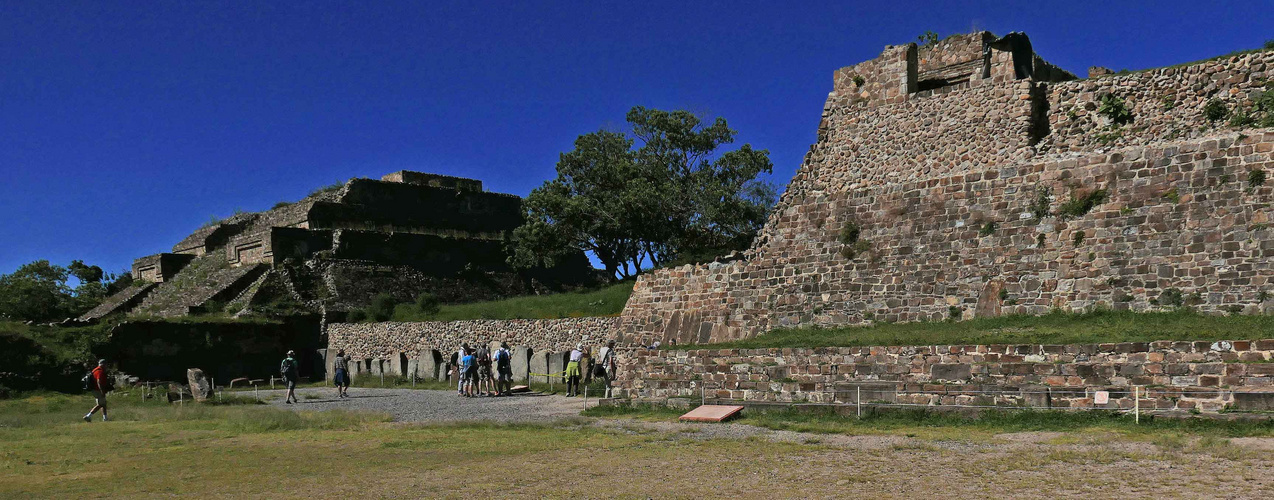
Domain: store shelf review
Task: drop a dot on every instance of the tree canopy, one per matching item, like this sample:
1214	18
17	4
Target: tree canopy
39	291
664	194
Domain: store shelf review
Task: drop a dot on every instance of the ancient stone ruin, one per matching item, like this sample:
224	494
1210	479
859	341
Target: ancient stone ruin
969	178
405	234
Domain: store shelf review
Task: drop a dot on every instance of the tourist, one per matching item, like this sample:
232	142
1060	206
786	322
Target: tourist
455	368
572	371
503	370
486	382
606	365
100	385
341	377
288	368
469	372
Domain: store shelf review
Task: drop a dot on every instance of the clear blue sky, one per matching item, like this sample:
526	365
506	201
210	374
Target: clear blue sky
125	125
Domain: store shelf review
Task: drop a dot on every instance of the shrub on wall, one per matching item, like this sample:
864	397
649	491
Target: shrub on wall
1077	207
1039	205
1256	178
1215	110
1115	110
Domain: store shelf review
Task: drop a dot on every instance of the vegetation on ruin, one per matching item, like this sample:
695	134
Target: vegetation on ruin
677	198
606	301
1115	110
1101	326
1078	206
1215	110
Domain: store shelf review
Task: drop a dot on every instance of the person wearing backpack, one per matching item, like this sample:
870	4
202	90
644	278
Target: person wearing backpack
288	368
469	372
97	382
503	370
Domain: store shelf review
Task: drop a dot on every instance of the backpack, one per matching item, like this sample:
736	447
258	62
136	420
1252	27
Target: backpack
285	368
502	357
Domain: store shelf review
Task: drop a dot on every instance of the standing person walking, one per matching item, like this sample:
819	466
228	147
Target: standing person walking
503	370
485	379
97	382
341	377
606	365
469	372
457	369
572	371
288	368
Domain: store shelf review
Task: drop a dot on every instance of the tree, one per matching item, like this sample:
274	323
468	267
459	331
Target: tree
39	291
35	292
673	198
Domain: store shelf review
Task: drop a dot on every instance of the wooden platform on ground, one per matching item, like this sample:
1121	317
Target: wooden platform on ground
711	413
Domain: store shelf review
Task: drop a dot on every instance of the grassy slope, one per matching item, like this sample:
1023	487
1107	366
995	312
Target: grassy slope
1055	328
607	301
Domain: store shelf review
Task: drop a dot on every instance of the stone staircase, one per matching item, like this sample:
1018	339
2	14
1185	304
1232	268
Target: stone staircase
209	278
123	301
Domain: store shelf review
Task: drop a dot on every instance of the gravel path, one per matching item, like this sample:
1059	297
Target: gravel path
411	405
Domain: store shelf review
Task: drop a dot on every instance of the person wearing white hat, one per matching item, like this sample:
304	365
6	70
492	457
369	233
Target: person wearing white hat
572	370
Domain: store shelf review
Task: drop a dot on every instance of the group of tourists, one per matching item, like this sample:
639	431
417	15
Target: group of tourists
478	372
482	373
581	367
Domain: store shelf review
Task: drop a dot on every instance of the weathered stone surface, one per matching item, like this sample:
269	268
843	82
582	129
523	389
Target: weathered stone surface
384	340
944	188
200	388
520	363
539	364
957	375
950	372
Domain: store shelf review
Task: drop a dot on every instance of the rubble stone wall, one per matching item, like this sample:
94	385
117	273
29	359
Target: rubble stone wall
1208	376
942	187
389	340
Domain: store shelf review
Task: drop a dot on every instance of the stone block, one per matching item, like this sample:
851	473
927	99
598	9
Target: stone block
1255	401
539	364
520	362
556	364
944	371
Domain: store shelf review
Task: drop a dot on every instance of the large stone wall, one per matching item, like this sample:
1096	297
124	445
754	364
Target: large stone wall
943	184
1208	376
1166	103
390	339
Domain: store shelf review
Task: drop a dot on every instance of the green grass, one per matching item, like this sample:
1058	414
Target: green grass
947	425
608	301
1054	328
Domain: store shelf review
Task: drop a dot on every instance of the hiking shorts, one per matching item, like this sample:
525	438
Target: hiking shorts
341	379
100	398
484	373
504	376
471	375
290	383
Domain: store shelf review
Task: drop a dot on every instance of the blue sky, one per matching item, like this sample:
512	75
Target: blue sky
125	125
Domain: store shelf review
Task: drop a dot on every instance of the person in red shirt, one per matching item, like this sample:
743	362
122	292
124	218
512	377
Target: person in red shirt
97	384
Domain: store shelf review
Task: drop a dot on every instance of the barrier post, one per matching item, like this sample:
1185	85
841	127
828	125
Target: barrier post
703	396
586	397
859	399
1136	404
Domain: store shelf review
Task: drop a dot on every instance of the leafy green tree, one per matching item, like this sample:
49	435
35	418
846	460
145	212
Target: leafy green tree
39	291
674	198
35	292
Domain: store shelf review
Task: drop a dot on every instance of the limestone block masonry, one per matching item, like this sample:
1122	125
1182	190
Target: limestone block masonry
1006	191
1208	376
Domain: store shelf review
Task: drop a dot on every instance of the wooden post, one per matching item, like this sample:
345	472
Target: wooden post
859	400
